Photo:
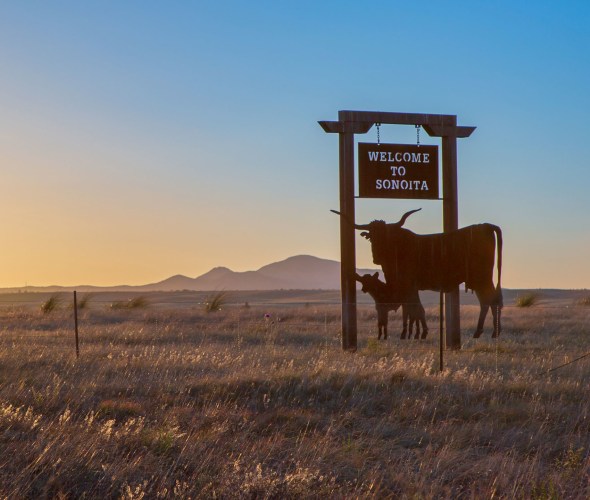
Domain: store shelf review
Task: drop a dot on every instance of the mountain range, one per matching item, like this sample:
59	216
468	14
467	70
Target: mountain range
301	272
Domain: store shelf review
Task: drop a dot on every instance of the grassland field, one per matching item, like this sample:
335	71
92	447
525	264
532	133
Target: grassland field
257	400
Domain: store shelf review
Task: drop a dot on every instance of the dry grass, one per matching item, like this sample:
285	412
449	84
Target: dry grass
170	403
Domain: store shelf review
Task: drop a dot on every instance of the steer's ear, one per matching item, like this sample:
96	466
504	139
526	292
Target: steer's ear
357	276
366	234
376	275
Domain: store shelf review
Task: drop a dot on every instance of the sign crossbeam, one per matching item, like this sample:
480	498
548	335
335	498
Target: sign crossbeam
360	122
396	118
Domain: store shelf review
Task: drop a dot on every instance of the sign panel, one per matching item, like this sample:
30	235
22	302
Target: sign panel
398	171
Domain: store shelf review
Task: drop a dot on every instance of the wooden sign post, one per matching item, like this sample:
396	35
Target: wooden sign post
360	122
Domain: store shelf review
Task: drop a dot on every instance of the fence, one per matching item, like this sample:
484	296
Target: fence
277	317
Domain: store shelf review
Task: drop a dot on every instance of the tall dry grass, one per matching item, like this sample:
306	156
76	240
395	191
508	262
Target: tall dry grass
262	403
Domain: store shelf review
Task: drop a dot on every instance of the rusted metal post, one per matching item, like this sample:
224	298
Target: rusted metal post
451	223
347	243
76	324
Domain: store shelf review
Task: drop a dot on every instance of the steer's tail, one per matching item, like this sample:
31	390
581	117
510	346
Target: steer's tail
498	232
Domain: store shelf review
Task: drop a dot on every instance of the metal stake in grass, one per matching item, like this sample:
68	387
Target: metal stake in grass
76	324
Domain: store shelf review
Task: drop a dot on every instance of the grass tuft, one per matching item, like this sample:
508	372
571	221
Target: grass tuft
119	409
51	304
215	302
135	303
84	301
527	300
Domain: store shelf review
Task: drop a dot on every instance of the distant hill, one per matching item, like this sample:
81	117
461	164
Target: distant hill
302	272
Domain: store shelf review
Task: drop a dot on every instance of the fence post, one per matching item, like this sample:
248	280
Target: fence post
76	324
441	333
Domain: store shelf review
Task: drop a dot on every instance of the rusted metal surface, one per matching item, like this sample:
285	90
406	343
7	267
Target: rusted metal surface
360	122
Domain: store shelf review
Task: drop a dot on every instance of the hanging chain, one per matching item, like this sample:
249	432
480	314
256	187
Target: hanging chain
378	137
418	135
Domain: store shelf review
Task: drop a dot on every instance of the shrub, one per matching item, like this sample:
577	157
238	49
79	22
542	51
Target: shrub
584	301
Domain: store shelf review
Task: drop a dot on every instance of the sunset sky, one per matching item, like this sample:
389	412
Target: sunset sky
143	139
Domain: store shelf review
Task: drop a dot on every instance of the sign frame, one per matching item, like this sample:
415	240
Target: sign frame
360	122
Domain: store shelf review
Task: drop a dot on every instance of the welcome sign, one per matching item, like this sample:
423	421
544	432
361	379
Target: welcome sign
398	171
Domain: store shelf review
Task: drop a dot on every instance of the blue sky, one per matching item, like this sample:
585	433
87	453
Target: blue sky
145	139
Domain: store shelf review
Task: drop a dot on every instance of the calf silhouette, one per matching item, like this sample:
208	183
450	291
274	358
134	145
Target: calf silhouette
411	310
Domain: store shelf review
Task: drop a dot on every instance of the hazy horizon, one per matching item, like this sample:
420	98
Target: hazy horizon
144	140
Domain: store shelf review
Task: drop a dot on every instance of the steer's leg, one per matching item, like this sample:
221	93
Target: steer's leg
414	321
483	311
423	321
488	297
417	322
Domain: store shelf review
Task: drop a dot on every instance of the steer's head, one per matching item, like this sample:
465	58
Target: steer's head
383	237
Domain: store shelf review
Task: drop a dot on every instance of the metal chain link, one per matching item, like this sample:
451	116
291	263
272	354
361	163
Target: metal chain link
418	135
378	137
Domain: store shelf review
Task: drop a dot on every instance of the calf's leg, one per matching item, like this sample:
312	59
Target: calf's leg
404	321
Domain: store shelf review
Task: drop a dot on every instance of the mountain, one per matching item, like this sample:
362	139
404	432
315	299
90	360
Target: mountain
302	272
219	278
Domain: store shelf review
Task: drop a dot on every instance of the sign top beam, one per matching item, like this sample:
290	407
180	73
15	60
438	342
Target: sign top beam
396	118
360	122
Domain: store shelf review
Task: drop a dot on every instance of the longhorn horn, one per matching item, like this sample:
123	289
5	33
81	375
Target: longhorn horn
405	216
356	226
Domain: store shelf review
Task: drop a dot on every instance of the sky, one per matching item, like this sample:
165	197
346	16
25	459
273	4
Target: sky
144	139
